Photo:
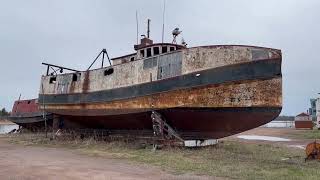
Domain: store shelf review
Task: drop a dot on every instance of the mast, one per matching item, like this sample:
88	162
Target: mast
148	31
164	10
137	22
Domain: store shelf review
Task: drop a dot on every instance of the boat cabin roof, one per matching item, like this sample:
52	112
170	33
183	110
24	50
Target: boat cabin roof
148	49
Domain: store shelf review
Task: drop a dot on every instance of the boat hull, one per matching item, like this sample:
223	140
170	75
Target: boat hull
217	110
26	114
32	123
203	93
190	123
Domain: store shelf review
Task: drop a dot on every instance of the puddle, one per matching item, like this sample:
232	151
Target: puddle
298	146
5	128
263	138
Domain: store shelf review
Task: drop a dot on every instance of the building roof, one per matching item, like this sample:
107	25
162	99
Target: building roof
303	114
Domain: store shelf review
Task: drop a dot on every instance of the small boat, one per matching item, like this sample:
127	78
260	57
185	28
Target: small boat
26	114
203	92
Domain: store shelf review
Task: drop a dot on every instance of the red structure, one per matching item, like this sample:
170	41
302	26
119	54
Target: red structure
27	114
23	107
303	121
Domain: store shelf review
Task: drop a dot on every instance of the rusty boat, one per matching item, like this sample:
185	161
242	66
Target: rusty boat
204	92
26	114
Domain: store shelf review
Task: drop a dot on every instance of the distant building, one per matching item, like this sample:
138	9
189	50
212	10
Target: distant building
303	121
318	112
281	122
313	109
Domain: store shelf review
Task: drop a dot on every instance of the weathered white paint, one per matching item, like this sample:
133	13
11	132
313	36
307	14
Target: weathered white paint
131	73
199	143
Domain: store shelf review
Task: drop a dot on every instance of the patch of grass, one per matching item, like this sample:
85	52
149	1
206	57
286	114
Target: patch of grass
306	134
228	159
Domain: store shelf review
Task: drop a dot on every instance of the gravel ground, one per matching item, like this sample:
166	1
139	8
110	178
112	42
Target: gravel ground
19	162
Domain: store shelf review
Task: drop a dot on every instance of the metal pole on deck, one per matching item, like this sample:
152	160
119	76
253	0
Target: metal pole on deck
43	111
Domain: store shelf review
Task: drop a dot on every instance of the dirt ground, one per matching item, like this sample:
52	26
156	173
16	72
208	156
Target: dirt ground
23	162
18	162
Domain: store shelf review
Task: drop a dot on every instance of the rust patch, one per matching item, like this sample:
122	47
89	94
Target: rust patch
86	82
261	93
72	87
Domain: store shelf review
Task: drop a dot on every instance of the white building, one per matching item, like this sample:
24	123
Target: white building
318	112
281	122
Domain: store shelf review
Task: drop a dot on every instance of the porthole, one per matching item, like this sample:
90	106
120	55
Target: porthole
108	72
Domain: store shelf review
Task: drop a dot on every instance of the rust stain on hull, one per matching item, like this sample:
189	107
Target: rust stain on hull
86	82
207	112
262	93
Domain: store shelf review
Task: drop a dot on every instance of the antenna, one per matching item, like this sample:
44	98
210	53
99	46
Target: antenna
175	34
137	27
164	10
148	31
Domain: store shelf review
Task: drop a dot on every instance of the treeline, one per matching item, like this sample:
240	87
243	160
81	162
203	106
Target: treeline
4	112
285	118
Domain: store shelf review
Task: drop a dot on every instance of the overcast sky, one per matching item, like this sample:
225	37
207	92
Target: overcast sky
72	32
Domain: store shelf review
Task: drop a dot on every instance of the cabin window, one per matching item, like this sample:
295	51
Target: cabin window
142	53
149	52
156	51
74	77
108	71
171	48
164	49
132	59
52	80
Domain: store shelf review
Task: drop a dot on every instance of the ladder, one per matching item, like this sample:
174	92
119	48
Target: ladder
162	129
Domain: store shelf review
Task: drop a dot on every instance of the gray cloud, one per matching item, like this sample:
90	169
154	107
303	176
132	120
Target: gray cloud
72	32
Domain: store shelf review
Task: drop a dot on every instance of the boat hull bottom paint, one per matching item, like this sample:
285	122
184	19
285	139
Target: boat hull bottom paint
190	123
34	124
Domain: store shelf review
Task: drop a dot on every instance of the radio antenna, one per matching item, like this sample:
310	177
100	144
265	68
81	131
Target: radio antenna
137	26
164	10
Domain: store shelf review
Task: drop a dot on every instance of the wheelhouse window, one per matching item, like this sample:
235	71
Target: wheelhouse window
172	48
52	80
149	54
74	77
132	59
142	53
164	49
156	51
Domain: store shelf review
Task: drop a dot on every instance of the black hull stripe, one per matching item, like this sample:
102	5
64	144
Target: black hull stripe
28	115
22	120
262	69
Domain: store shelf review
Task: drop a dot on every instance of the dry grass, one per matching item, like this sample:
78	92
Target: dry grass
229	159
306	134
